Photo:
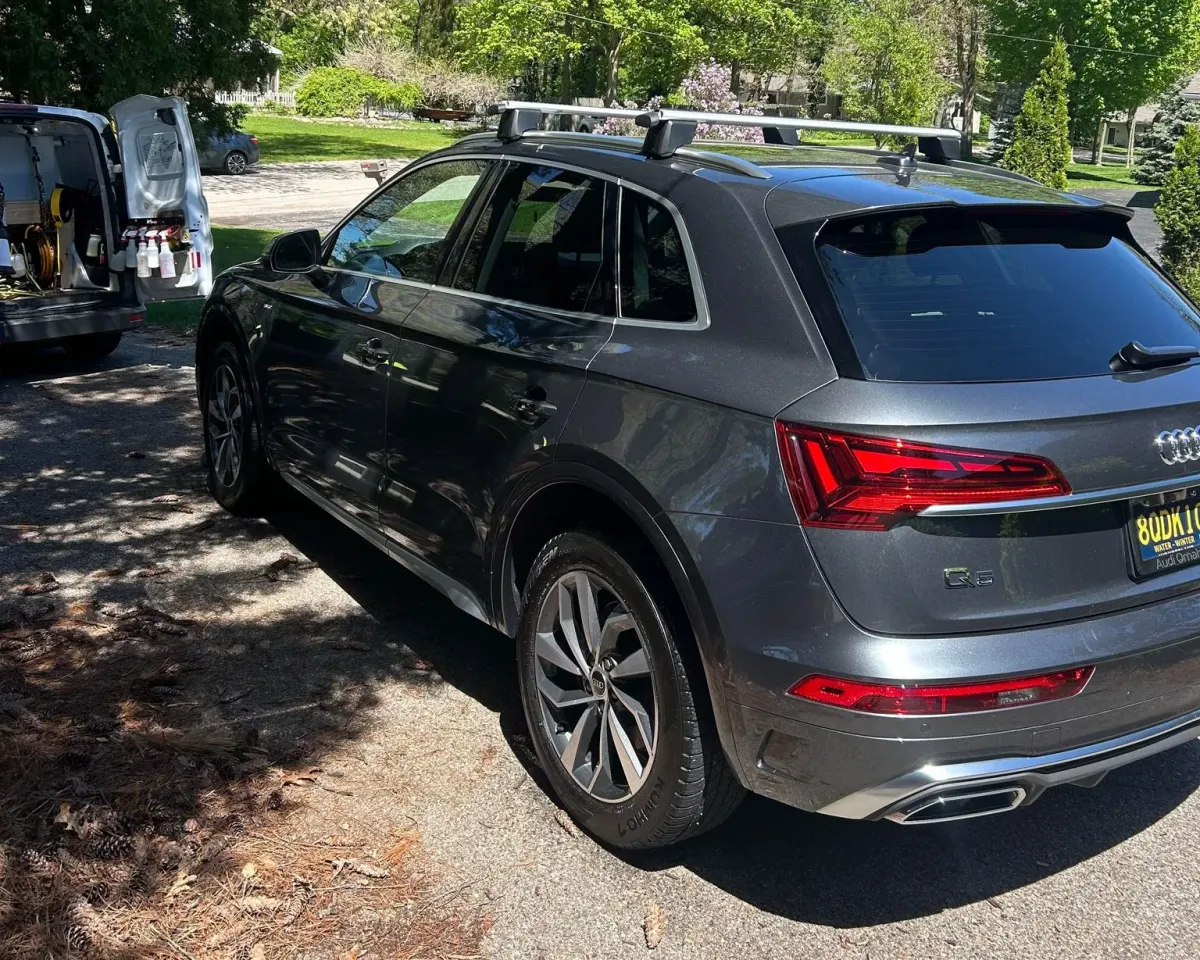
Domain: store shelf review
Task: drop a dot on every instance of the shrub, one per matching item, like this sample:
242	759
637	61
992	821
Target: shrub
707	89
346	92
1041	145
334	92
1178	212
440	84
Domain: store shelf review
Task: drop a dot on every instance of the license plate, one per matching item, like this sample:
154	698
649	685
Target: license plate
1164	531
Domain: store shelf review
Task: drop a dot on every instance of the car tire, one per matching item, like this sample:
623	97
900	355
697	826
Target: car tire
92	346
235	163
629	746
238	472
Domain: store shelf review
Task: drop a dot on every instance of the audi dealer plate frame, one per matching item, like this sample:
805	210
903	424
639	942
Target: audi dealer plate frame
1164	532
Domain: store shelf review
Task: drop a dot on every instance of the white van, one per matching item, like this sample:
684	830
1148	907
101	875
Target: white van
101	217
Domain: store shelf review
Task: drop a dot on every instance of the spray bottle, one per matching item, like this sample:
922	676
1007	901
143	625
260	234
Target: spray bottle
6	264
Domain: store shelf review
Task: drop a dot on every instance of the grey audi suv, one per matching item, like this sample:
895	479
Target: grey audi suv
867	481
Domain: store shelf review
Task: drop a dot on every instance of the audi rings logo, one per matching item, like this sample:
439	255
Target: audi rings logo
1179	446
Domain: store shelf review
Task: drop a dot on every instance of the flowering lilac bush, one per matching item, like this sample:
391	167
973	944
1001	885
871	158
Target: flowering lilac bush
705	89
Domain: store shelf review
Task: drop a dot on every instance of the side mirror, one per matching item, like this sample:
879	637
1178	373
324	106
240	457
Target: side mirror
296	252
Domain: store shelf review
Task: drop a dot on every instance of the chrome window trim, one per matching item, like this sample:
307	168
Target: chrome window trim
702	320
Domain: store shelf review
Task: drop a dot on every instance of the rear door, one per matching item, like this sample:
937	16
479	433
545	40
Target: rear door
983	463
160	167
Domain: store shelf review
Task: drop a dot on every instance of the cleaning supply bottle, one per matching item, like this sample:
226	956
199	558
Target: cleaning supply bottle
166	258
131	250
143	267
152	250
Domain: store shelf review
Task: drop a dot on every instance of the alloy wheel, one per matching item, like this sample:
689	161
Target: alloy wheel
596	687
235	163
225	425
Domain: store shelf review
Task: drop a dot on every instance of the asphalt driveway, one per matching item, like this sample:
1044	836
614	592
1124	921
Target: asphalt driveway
414	706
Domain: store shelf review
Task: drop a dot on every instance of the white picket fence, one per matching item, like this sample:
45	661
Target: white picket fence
253	98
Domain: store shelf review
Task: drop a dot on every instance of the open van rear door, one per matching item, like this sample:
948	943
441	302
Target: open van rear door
162	187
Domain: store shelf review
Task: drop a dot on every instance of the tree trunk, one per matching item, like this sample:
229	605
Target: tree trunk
613	71
967	52
1098	152
735	78
417	28
1131	123
566	89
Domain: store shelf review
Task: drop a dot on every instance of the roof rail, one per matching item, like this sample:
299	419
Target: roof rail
668	130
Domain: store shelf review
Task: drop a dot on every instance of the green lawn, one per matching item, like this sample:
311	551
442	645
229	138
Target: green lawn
286	139
230	245
1089	175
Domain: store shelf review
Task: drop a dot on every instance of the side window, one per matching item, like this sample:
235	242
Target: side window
541	241
655	282
401	233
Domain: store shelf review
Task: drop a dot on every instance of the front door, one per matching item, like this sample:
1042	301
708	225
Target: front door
493	359
334	335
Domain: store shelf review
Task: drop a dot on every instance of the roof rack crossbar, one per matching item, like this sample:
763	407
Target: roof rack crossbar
668	130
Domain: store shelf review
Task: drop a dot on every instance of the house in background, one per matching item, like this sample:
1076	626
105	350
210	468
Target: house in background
1116	132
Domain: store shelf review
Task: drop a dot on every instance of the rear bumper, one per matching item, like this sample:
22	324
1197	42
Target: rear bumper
777	622
1023	779
48	324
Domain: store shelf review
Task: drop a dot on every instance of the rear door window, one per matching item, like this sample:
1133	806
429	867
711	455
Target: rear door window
961	296
540	240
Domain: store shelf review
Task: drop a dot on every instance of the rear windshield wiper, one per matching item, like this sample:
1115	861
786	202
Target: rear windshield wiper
1133	356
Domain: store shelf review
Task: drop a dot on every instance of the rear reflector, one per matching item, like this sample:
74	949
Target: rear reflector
870	483
919	699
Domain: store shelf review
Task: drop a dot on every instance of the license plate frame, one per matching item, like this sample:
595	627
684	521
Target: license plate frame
1168	538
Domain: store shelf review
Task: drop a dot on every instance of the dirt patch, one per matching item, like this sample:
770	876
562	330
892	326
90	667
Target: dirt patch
131	828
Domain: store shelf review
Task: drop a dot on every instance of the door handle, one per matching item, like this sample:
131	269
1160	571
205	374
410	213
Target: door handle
533	409
372	353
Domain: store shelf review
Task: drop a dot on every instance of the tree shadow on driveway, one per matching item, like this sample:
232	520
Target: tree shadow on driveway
802	866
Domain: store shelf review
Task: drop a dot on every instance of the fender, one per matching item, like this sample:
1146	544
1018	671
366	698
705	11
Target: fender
601	475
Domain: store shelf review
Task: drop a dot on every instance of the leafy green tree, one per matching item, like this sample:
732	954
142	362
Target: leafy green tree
886	66
761	36
1123	53
1158	154
1041	145
1178	212
314	33
91	55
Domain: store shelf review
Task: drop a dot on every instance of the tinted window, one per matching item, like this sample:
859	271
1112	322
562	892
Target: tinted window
961	296
401	233
541	241
655	283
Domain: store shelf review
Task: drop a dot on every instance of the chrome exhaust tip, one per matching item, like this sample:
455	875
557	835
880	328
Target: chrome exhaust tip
961	804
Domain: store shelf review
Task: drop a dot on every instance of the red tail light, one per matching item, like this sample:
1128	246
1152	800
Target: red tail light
900	700
870	483
254	140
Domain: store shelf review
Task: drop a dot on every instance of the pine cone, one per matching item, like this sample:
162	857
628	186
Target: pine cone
101	725
38	864
75	758
110	847
78	941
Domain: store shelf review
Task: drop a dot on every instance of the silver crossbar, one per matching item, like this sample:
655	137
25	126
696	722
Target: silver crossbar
792	123
669	130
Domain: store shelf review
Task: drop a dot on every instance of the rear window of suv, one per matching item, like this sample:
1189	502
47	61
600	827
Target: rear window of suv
966	296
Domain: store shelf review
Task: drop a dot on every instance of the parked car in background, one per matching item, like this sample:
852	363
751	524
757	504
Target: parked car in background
234	153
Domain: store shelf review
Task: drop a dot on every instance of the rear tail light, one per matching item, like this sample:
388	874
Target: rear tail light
254	140
920	699
870	483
